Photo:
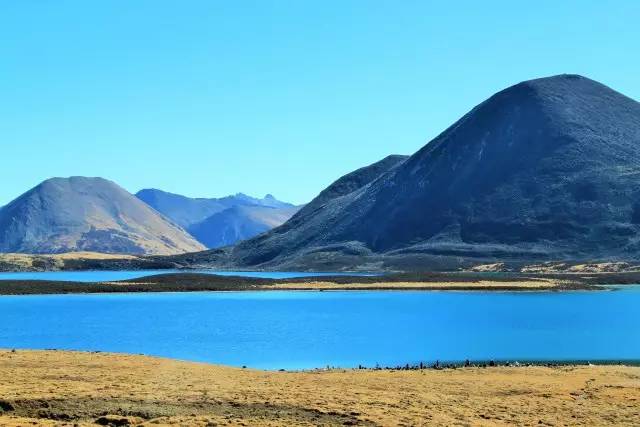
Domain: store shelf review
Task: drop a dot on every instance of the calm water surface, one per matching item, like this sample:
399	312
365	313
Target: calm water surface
108	276
295	330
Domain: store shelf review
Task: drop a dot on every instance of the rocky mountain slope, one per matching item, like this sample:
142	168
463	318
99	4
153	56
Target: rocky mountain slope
87	214
545	169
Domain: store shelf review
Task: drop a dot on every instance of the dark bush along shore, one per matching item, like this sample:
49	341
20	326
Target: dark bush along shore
191	282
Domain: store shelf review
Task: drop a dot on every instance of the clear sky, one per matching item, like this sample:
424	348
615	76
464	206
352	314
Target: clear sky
208	98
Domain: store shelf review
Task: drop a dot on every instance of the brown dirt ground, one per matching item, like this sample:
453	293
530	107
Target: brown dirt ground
74	388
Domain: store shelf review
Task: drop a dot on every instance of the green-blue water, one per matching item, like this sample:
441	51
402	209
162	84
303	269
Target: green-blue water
109	276
295	330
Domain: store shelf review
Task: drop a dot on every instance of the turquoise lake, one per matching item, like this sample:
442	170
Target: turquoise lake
108	276
295	330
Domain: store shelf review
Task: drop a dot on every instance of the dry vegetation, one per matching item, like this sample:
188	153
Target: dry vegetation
72	388
552	267
54	261
596	267
533	285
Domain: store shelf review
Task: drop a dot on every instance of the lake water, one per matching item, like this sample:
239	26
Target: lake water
294	330
109	276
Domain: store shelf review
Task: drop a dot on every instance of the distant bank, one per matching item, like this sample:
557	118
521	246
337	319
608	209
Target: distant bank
194	282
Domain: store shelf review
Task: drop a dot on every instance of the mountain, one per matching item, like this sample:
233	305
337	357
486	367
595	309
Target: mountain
223	221
238	223
187	211
182	210
546	169
308	220
87	214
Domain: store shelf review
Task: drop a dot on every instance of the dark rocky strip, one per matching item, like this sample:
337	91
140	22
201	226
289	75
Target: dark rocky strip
192	282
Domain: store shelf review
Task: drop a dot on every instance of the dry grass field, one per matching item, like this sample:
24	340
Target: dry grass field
74	388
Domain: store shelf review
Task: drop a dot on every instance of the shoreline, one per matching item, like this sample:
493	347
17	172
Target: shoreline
439	364
81	388
200	282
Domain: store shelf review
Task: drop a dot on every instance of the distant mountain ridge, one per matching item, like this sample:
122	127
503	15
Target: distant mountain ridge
186	211
547	169
238	223
87	214
217	222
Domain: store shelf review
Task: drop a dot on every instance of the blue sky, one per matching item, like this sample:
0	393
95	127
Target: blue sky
208	98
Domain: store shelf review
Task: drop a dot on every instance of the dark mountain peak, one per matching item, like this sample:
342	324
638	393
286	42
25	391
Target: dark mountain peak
560	82
544	169
565	95
556	79
556	83
533	119
560	89
551	140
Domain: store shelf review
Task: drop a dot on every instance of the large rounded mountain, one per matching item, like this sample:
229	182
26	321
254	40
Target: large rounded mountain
546	169
87	214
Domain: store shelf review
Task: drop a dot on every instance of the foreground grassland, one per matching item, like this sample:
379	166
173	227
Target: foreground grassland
73	388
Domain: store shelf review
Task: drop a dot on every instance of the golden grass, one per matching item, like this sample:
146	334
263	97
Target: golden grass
15	257
563	267
91	255
540	284
54	261
80	388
